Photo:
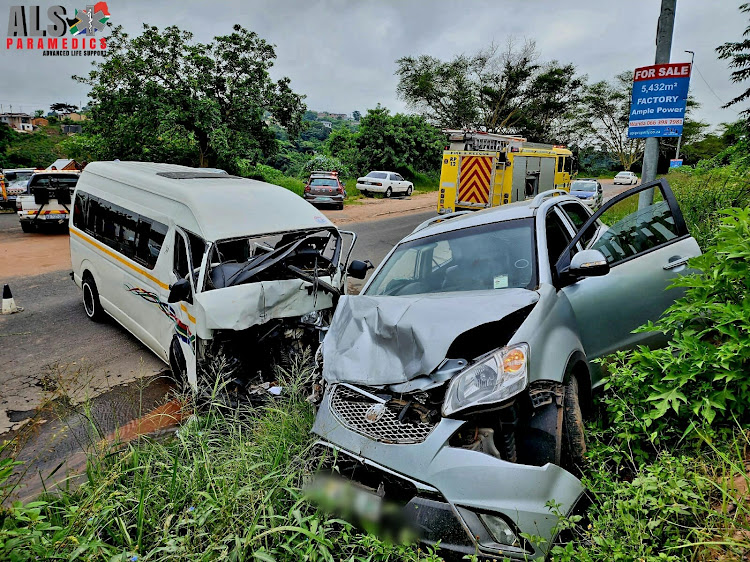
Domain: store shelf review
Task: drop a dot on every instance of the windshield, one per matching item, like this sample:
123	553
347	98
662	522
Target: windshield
326	182
67	180
18	176
308	255
493	256
377	175
583	186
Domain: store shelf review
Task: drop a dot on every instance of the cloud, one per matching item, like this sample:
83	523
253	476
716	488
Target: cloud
342	54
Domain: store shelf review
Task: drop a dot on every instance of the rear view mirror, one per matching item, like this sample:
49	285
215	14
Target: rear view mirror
180	291
358	269
588	263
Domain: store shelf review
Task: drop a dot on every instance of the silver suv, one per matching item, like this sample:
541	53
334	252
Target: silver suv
457	382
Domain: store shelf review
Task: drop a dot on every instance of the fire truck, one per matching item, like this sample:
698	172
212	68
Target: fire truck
483	170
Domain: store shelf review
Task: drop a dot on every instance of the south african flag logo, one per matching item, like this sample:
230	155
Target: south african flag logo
89	21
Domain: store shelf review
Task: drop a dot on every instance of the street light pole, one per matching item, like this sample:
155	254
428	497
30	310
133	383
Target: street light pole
679	139
663	49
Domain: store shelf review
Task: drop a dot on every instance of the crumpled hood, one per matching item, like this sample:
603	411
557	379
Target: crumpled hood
388	340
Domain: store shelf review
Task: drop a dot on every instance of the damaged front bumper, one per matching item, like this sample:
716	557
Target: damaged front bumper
469	501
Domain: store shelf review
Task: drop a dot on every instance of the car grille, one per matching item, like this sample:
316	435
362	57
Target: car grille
350	408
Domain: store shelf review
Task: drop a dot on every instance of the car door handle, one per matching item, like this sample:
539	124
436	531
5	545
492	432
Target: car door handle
676	261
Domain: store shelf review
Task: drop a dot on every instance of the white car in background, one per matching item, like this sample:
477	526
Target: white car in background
626	178
387	183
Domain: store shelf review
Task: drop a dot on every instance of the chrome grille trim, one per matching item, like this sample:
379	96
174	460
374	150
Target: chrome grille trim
349	405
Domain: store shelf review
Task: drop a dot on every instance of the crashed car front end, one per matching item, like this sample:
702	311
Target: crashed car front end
444	391
465	450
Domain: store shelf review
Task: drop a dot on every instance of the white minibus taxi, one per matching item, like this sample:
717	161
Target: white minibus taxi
199	264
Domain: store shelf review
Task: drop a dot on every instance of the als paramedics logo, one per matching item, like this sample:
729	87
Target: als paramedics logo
27	31
88	22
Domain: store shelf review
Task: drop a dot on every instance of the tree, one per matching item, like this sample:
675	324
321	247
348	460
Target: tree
505	91
604	117
356	115
61	107
402	143
38	113
161	97
738	55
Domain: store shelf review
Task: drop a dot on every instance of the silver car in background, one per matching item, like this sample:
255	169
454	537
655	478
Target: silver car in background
457	382
588	191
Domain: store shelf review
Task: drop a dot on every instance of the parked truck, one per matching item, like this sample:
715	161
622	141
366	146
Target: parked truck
481	170
47	201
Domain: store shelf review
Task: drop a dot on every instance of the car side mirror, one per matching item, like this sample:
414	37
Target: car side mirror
588	263
358	269
180	291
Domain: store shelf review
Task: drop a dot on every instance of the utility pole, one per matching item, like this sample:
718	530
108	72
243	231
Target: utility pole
679	139
663	49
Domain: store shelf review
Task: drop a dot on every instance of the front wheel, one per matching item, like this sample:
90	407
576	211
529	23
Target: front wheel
388	193
408	191
177	363
91	303
574	436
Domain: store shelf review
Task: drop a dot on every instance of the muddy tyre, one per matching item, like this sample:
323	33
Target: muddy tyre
177	363
574	435
91	304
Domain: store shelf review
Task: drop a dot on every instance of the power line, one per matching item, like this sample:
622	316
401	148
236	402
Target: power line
708	85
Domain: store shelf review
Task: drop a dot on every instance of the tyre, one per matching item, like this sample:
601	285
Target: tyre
367	194
177	363
91	304
574	436
388	193
28	227
409	190
340	206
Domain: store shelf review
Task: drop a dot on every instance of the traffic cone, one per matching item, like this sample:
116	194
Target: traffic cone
9	303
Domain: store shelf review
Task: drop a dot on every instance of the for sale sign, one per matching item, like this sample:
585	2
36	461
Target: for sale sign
657	107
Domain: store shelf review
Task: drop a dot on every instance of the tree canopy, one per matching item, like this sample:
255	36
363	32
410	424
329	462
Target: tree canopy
499	90
738	55
161	97
401	143
604	116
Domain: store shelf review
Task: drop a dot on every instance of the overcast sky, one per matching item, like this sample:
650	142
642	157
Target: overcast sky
341	53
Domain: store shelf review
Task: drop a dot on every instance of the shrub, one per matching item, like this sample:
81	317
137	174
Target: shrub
702	193
271	175
699	380
327	163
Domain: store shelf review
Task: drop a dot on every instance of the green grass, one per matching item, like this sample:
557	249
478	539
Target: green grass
226	486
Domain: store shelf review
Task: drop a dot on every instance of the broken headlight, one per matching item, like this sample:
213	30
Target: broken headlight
495	377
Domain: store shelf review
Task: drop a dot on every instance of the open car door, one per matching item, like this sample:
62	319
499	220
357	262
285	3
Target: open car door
644	248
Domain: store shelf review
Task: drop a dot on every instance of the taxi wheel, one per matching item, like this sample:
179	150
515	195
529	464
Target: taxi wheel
177	363
91	304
